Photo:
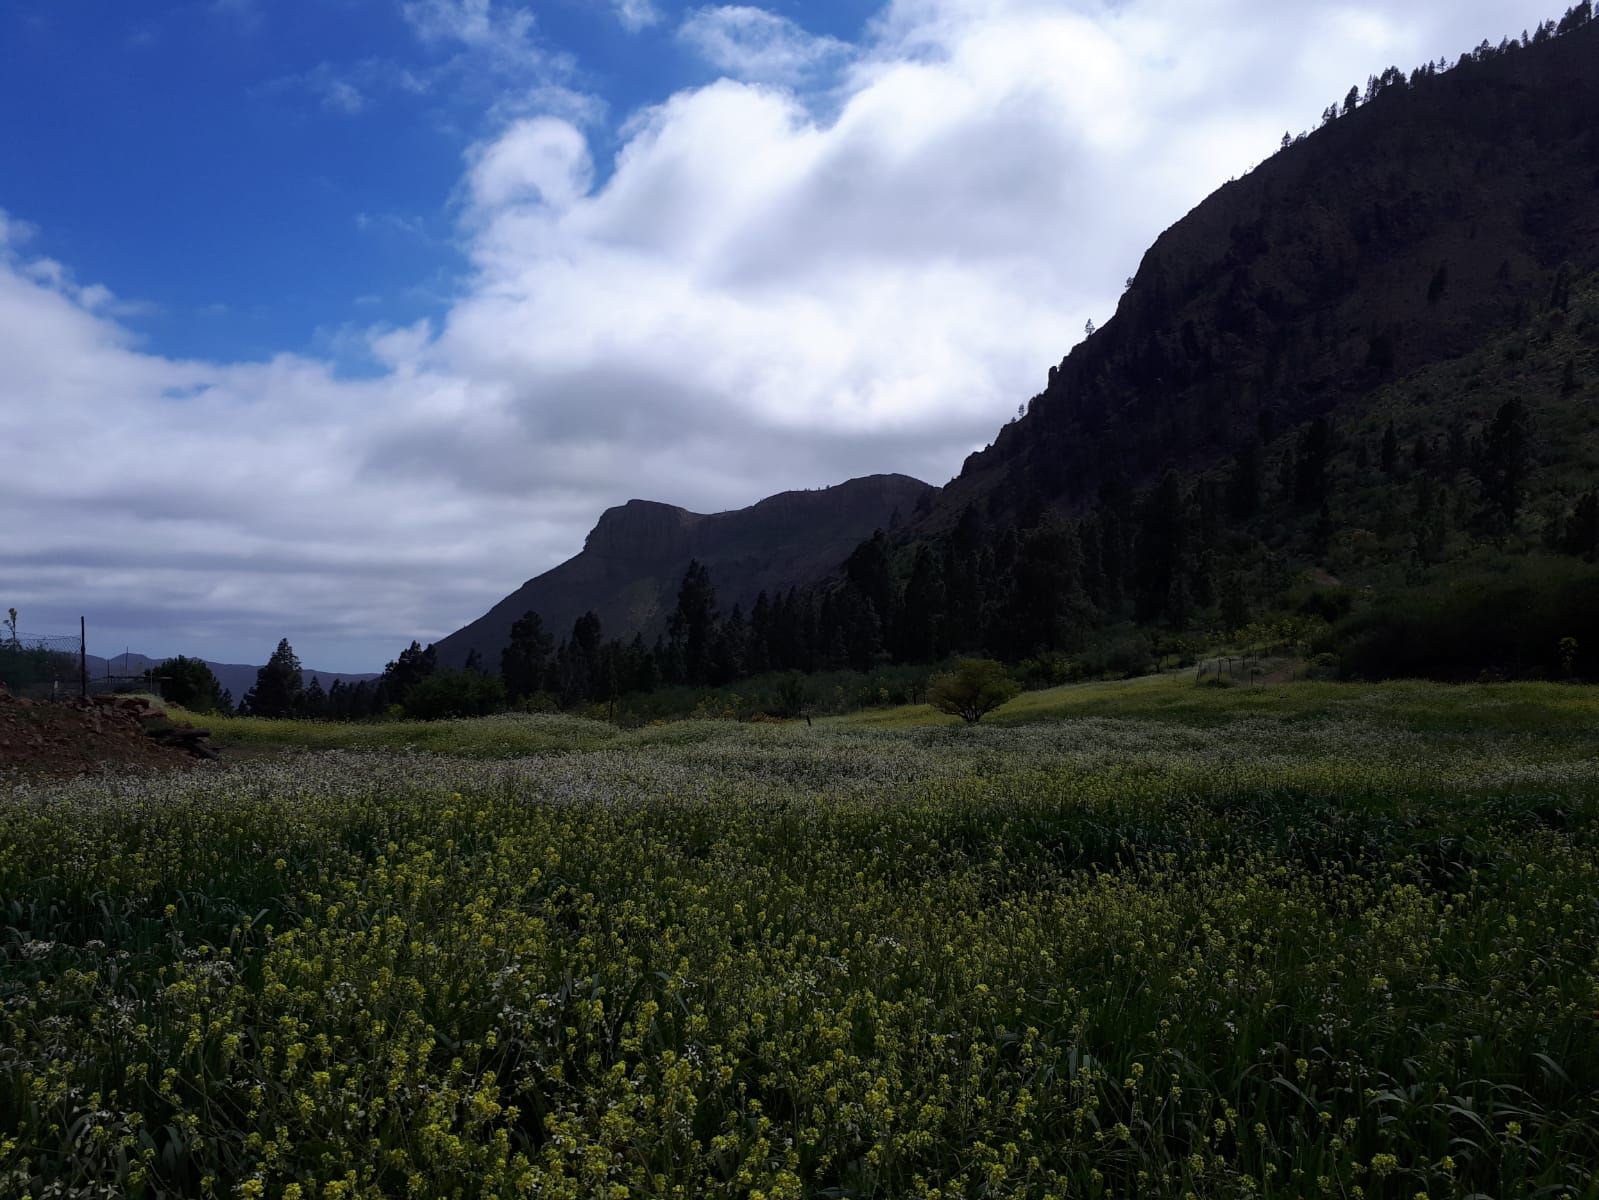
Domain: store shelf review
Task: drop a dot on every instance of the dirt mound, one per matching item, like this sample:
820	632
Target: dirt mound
101	736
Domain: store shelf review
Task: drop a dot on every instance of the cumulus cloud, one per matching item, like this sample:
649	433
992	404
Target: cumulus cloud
540	161
751	43
752	294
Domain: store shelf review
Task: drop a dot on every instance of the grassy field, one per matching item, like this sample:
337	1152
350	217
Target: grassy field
482	737
1506	708
1139	939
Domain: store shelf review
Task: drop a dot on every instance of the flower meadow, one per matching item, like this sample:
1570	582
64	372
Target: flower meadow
1099	957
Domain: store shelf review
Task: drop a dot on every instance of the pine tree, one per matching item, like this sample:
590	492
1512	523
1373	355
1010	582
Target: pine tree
640	671
580	673
1244	481
923	611
1581	534
525	661
189	683
1505	460
277	685
1234	603
401	675
758	653
868	570
693	623
1048	610
314	701
1160	546
728	649
1560	290
1312	454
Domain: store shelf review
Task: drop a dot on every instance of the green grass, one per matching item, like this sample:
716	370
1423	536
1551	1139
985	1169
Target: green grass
1135	939
507	736
1557	712
1539	709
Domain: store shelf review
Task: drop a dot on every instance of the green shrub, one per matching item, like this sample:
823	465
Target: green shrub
975	688
455	694
1323	667
1507	618
1120	657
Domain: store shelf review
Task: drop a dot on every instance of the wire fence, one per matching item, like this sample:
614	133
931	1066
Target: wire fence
41	667
125	679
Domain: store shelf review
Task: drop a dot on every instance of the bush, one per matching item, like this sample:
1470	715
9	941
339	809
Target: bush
23	667
1507	618
789	696
189	683
1048	670
455	694
976	687
1323	666
1121	658
1327	603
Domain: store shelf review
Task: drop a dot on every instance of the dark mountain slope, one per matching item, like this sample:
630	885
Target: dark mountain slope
633	562
1401	234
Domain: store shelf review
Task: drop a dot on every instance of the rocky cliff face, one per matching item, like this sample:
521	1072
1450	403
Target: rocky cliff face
633	560
642	531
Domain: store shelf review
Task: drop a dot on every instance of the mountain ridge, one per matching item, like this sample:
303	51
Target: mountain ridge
633	559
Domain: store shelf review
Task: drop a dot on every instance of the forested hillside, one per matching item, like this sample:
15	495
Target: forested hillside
1350	402
1362	381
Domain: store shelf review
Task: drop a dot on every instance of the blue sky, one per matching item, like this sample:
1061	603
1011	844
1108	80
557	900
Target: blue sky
256	174
338	319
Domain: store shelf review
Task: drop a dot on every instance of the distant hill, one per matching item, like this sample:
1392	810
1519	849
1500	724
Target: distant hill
236	678
633	561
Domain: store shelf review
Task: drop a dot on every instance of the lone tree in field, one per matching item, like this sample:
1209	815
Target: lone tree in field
975	688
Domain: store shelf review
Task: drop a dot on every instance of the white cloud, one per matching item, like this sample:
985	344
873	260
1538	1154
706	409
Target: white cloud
542	160
636	14
480	23
393	223
752	296
57	277
348	89
751	43
13	232
342	96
